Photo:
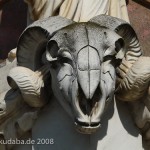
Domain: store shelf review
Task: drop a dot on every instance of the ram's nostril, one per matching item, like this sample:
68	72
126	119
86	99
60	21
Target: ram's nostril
89	106
82	100
94	124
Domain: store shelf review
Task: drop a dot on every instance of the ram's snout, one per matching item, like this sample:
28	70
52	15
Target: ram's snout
88	96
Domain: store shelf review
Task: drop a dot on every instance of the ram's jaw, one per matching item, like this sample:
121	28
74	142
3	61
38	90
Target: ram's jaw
88	111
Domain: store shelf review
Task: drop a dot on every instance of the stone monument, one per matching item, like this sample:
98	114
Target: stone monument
76	86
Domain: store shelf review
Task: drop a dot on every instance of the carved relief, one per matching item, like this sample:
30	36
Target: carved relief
77	10
79	63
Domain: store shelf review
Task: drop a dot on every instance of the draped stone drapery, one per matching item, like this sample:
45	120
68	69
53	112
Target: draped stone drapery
77	10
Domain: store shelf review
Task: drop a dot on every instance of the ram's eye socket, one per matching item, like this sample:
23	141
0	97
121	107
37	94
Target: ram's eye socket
115	51
119	44
65	57
52	51
109	53
112	59
109	57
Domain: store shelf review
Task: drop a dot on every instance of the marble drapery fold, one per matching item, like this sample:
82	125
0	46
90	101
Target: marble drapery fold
77	10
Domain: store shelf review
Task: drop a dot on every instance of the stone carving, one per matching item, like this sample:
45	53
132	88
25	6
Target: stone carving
76	10
79	63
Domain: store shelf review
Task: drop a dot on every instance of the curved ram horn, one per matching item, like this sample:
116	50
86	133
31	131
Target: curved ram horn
30	84
31	54
136	82
124	29
32	43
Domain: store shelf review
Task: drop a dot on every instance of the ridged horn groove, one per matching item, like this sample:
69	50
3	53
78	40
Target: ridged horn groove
136	82
30	84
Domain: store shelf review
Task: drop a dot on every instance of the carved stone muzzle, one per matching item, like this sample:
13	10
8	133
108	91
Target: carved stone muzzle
88	101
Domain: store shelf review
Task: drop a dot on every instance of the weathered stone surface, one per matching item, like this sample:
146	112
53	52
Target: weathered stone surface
79	63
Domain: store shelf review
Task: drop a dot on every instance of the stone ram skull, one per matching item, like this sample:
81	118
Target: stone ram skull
79	61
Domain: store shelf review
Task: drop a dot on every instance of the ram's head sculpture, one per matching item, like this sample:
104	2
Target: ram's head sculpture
79	62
